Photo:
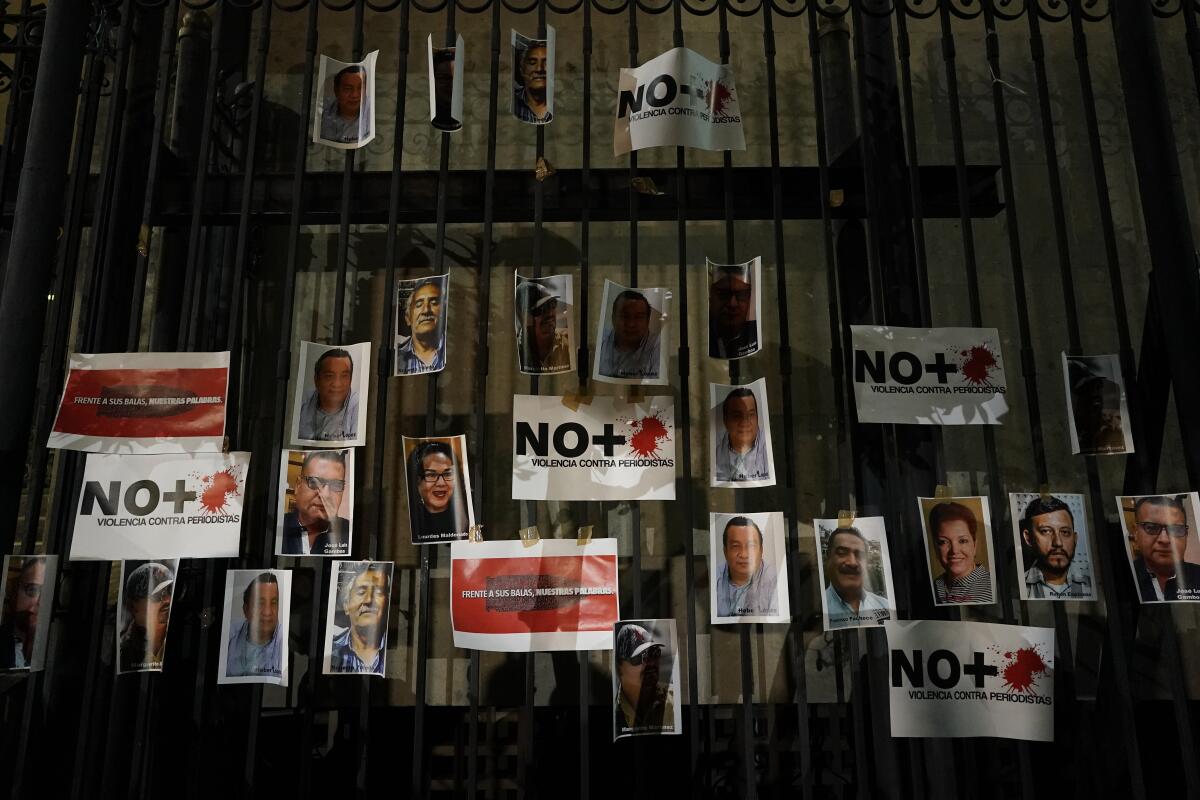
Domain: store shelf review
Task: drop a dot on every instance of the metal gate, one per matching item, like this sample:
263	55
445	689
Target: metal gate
1027	165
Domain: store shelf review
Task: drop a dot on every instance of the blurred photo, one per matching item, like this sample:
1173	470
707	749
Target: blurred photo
544	323
630	347
1097	407
360	594
27	591
345	108
533	78
734	309
254	633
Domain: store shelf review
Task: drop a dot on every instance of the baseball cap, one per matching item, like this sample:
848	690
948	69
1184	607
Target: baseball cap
532	295
633	640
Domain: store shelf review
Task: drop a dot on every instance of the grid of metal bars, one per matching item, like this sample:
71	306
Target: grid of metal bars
116	731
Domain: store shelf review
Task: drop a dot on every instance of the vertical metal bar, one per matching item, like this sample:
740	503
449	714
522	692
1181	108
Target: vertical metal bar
419	782
482	316
189	323
339	296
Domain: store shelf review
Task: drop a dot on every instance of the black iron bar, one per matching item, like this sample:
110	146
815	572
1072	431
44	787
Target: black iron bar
482	353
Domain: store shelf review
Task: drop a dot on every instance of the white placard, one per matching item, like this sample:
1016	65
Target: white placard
605	449
677	98
161	506
928	376
967	679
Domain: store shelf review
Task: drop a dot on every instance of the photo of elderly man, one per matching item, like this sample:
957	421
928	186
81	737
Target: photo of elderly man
533	78
356	636
420	334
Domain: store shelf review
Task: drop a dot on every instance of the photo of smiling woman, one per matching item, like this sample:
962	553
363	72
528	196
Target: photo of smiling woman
439	489
144	610
958	546
360	595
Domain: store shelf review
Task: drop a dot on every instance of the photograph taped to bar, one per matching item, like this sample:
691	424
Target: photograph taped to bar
345	107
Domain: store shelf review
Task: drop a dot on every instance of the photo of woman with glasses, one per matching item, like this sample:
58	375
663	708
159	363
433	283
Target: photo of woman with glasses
316	503
439	489
1164	552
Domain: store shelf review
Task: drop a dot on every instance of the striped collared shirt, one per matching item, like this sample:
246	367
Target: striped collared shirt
974	587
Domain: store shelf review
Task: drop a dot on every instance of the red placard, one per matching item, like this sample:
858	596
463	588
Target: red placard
144	403
501	595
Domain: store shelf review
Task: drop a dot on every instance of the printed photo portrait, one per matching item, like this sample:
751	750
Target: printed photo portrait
27	591
420	330
1096	406
445	85
533	78
1164	554
958	547
1051	536
329	395
645	678
544	319
345	106
748	568
316	503
254	629
439	489
633	340
144	613
740	432
734	309
360	593
856	571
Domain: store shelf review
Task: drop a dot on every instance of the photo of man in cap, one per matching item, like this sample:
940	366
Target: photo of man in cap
147	589
543	321
643	652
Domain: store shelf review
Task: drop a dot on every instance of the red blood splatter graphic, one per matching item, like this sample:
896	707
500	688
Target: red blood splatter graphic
717	96
978	362
217	490
1026	664
646	433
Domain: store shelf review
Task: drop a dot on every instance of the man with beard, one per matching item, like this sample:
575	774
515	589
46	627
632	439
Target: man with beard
313	527
847	601
425	350
364	600
1160	538
628	348
1048	530
255	646
147	605
341	117
530	103
643	703
541	346
21	607
741	448
731	332
746	584
329	412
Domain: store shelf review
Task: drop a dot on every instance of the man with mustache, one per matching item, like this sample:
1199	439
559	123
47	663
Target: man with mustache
341	117
746	584
530	102
847	600
1048	530
644	705
21	606
1160	538
314	527
541	346
329	412
741	448
425	350
364	600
